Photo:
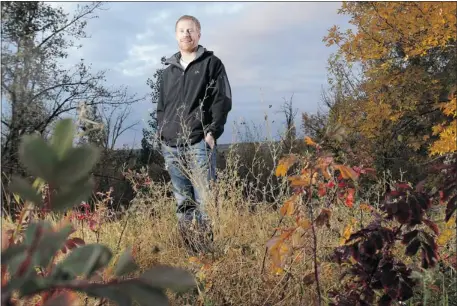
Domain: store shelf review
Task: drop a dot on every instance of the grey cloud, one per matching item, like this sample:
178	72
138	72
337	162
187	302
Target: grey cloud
273	47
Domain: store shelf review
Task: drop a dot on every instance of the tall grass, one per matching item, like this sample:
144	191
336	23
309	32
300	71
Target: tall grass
233	274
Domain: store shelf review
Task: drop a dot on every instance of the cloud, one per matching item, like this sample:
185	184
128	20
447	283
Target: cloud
142	60
224	8
268	35
271	50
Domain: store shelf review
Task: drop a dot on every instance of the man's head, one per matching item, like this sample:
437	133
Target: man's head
187	33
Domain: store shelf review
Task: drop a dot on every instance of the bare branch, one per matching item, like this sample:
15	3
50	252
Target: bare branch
90	9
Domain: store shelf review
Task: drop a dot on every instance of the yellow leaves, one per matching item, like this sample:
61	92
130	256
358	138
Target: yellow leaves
279	250
310	142
447	139
447	133
288	207
366	207
347	231
447	233
194	260
346	234
392	89
347	172
444	237
304	179
205	266
323	163
449	108
284	164
304	223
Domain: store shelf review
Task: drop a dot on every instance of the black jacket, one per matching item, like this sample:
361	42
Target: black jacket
194	101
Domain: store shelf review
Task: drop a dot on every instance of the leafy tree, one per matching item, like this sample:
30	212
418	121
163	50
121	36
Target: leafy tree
406	52
38	89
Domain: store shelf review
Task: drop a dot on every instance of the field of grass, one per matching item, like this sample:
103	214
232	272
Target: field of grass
240	271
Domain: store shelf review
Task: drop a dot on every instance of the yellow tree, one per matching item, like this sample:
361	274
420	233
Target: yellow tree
408	59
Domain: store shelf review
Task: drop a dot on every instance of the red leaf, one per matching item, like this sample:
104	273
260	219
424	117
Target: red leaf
78	241
350	197
92	225
322	190
341	184
402	187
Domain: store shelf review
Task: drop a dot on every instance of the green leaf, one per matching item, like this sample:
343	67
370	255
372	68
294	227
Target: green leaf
28	272
68	198
21	187
50	244
84	261
124	293
34	285
64	133
31	231
125	264
146	295
38	157
168	278
12	252
77	164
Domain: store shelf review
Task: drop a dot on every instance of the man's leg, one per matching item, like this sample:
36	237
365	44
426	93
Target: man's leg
203	169
202	162
182	186
187	210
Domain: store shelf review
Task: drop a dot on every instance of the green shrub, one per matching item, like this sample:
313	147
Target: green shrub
66	169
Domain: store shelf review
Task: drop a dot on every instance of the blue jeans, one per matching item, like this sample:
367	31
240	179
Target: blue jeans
191	169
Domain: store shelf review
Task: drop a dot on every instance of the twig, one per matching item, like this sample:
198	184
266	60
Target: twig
266	248
316	273
122	233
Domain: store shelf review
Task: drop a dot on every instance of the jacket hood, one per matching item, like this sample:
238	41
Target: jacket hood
174	59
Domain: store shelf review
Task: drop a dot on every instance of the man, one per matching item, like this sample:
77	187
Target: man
194	101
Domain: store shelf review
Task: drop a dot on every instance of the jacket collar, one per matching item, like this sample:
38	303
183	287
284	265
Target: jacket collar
174	59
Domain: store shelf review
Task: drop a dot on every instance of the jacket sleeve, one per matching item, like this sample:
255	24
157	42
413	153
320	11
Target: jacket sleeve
222	100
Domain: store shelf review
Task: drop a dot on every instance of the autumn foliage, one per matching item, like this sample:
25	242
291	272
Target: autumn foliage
374	273
401	105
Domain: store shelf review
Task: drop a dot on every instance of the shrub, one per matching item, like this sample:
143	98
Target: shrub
66	170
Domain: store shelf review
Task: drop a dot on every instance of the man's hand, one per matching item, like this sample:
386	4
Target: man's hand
210	140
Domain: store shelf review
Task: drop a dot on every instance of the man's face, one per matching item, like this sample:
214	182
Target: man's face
187	35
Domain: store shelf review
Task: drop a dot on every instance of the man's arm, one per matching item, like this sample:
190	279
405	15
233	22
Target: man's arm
222	101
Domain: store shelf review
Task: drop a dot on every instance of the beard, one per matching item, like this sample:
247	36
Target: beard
187	46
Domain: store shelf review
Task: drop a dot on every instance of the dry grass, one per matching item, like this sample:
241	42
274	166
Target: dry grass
232	275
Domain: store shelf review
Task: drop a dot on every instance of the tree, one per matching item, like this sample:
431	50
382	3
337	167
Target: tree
289	114
406	51
149	141
38	89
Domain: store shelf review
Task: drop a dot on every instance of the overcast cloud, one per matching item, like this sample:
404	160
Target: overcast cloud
271	50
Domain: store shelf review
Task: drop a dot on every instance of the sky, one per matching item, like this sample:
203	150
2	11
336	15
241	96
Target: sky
271	51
